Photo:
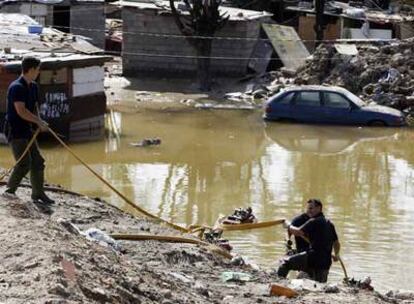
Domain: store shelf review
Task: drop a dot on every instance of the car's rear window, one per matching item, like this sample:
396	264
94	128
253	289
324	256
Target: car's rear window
335	100
286	99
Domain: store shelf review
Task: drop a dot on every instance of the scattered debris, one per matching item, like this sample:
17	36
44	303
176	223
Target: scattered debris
306	285
102	238
147	142
331	288
183	278
362	284
400	294
280	290
230	276
240	216
213	236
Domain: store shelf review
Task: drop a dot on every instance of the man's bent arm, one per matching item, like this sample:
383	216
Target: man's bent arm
295	231
25	114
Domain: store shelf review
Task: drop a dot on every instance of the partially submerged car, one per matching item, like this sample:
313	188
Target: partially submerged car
329	105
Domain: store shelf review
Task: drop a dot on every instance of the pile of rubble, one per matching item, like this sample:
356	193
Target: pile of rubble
381	72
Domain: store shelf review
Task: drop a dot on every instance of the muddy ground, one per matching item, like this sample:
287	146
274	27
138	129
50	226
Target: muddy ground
42	261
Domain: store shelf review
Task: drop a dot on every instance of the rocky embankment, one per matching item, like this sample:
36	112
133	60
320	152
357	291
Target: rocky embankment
43	260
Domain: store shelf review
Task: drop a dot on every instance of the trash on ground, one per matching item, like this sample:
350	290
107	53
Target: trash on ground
331	288
306	285
102	238
362	284
213	236
183	278
280	290
400	294
230	276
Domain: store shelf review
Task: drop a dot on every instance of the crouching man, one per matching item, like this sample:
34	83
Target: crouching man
321	235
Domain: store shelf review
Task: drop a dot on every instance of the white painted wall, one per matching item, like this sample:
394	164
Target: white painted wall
88	80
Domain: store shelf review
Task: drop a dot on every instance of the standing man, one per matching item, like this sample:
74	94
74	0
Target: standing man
22	116
321	234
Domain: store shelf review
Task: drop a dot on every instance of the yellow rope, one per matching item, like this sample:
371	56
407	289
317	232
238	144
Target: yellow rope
26	150
127	200
248	226
343	268
168	238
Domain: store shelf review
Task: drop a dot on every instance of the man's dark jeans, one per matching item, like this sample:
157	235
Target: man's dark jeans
299	262
32	162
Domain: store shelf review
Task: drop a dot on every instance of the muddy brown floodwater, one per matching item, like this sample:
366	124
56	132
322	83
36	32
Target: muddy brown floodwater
211	162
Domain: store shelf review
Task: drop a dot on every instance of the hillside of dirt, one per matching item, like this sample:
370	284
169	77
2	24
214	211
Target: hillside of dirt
44	259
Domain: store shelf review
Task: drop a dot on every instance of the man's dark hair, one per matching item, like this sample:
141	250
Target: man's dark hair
29	63
315	201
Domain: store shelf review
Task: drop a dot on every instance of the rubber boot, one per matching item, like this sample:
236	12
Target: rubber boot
38	194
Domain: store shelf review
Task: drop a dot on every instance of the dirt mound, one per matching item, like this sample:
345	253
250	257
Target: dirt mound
44	260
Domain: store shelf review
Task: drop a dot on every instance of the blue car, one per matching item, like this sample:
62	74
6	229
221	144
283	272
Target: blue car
329	105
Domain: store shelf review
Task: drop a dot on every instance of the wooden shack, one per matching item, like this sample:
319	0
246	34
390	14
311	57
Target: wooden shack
72	97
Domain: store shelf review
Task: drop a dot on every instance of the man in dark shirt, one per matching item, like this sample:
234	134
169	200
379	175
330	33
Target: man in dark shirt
321	234
22	101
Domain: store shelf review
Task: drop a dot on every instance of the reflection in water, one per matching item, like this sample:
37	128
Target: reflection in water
323	139
211	162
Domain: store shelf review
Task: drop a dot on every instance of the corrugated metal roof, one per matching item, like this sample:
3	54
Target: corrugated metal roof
236	14
370	15
48	58
14	34
47	2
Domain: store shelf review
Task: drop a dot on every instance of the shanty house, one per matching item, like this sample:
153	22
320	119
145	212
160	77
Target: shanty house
80	17
343	21
152	42
72	97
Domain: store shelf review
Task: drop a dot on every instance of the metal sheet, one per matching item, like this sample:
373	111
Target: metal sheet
287	44
346	49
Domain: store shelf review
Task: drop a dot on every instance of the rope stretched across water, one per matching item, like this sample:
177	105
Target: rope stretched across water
127	200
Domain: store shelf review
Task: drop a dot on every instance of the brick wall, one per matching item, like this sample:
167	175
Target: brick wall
143	54
91	17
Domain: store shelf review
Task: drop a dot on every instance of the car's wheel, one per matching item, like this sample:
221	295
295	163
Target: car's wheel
377	123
